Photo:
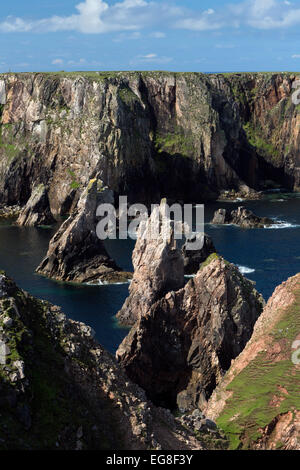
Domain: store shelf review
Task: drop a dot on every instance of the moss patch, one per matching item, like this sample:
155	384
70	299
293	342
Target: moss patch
256	139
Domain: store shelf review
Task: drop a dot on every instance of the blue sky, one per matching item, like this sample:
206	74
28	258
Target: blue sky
179	35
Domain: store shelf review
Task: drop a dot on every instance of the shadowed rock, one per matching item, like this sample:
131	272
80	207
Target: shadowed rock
51	366
37	210
75	253
158	267
194	258
180	349
242	217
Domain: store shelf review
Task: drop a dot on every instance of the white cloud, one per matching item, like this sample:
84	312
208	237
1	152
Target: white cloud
296	56
158	35
151	58
57	62
99	16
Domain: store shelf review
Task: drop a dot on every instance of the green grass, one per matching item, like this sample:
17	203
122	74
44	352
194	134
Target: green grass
253	389
211	258
176	143
74	183
128	97
257	140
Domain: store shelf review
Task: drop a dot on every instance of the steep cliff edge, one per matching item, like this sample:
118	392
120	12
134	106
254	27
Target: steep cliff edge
59	389
146	134
258	403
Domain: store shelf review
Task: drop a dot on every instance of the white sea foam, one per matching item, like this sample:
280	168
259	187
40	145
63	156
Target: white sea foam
280	224
106	283
189	276
245	270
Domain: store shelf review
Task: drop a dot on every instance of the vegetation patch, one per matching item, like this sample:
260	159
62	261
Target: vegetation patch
257	141
175	143
128	96
265	388
211	258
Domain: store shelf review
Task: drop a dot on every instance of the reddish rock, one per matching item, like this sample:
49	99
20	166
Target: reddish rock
266	377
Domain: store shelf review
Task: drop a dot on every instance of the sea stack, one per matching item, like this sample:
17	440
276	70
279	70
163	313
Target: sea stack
75	252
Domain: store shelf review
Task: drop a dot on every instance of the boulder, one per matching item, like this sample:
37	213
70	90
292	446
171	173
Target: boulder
37	210
242	217
158	267
179	350
75	252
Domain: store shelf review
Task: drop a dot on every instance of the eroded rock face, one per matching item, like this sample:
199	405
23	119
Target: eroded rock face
179	350
187	136
266	376
158	268
75	253
242	217
37	210
58	369
194	258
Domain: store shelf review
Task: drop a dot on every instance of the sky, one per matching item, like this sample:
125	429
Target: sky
176	35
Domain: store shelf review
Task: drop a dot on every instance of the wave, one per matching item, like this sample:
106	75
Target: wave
189	276
280	224
106	283
245	269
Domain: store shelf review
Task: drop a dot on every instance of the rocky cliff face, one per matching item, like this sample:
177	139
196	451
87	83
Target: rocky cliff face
75	253
60	390
179	350
194	258
37	210
258	402
158	266
147	135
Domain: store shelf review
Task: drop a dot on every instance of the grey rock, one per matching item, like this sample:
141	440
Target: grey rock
37	210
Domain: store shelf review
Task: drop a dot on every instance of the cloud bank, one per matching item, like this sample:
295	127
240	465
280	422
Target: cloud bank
98	17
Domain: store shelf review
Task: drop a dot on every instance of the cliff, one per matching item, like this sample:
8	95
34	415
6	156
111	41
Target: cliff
179	349
258	403
59	389
146	134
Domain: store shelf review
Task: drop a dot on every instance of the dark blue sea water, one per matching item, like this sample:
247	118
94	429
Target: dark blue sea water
267	256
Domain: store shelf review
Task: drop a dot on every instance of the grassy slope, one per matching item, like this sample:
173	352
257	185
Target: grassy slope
250	406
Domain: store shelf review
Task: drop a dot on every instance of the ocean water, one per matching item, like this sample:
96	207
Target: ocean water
267	256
